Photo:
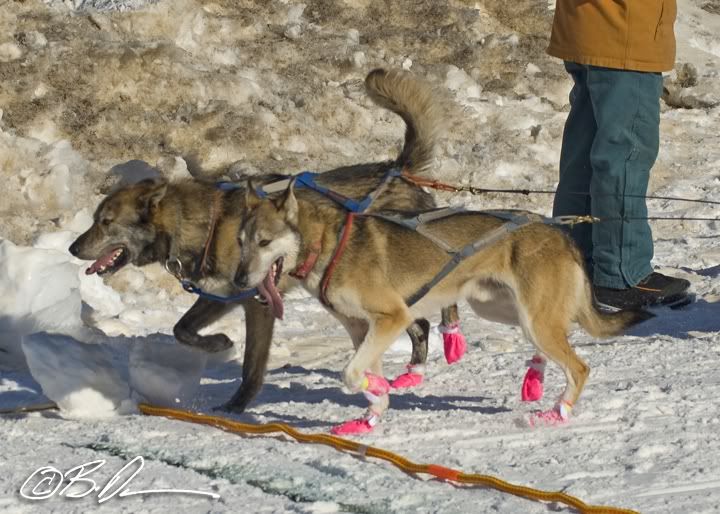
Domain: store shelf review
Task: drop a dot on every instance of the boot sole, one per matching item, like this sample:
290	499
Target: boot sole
675	304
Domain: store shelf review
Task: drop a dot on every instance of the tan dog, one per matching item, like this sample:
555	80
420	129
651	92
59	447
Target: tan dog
533	277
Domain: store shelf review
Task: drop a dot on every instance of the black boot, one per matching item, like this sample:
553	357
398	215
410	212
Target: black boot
654	290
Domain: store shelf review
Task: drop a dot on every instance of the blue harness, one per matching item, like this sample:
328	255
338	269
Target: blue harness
305	180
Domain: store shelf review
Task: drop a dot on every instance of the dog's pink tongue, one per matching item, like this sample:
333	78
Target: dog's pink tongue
272	296
102	261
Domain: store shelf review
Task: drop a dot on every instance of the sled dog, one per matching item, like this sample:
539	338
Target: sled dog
192	227
533	277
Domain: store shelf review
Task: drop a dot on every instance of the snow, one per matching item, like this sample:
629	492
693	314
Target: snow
80	378
278	87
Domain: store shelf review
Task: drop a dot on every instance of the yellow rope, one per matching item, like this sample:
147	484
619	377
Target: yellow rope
401	462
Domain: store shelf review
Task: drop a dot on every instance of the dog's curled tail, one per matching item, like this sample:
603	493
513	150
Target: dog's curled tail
606	324
424	110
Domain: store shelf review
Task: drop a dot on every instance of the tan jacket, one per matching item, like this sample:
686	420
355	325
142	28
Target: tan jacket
624	34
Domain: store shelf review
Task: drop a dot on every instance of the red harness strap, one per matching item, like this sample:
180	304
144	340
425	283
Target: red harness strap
215	209
306	267
339	250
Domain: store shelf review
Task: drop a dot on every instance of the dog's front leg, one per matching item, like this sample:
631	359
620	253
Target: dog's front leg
384	329
364	371
259	323
201	314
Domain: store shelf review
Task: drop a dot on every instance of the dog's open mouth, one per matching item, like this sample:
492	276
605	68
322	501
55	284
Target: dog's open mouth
269	291
110	262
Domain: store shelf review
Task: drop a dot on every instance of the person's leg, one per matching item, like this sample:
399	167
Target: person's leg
573	192
626	105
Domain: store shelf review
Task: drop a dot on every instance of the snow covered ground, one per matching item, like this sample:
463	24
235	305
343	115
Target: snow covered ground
276	86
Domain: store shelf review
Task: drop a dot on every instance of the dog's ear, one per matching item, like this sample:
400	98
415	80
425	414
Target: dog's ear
152	191
288	204
252	198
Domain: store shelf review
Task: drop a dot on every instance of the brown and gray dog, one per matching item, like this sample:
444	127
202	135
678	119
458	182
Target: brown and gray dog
533	277
156	221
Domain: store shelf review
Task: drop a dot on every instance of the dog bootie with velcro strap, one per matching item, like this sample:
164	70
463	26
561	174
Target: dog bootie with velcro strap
357	426
454	342
558	415
413	377
374	387
532	387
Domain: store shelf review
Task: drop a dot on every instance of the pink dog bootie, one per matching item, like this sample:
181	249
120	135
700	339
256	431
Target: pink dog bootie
532	387
357	426
413	377
454	342
374	386
558	415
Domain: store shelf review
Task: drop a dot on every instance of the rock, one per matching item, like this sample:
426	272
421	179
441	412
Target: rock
532	69
173	168
687	75
689	91
293	31
10	52
240	171
358	59
33	39
353	37
698	97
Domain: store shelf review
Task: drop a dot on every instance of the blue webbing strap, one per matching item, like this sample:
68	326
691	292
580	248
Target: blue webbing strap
307	179
242	295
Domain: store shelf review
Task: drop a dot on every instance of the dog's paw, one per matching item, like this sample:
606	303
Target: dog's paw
407	380
215	343
229	408
353	379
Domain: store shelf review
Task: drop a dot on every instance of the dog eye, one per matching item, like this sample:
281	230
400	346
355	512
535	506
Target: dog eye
264	242
106	221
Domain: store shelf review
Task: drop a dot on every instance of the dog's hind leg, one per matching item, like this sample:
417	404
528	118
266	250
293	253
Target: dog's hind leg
419	333
259	324
201	314
548	330
454	343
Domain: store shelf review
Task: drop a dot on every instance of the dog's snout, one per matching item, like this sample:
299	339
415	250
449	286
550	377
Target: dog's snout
240	279
74	249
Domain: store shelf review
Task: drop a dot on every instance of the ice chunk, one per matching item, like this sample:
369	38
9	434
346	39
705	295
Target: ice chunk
163	372
83	379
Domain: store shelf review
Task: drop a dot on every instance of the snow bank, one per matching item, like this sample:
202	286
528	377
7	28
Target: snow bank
110	378
44	297
163	372
39	290
83	379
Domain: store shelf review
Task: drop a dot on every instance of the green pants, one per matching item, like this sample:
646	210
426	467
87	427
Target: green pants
610	142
